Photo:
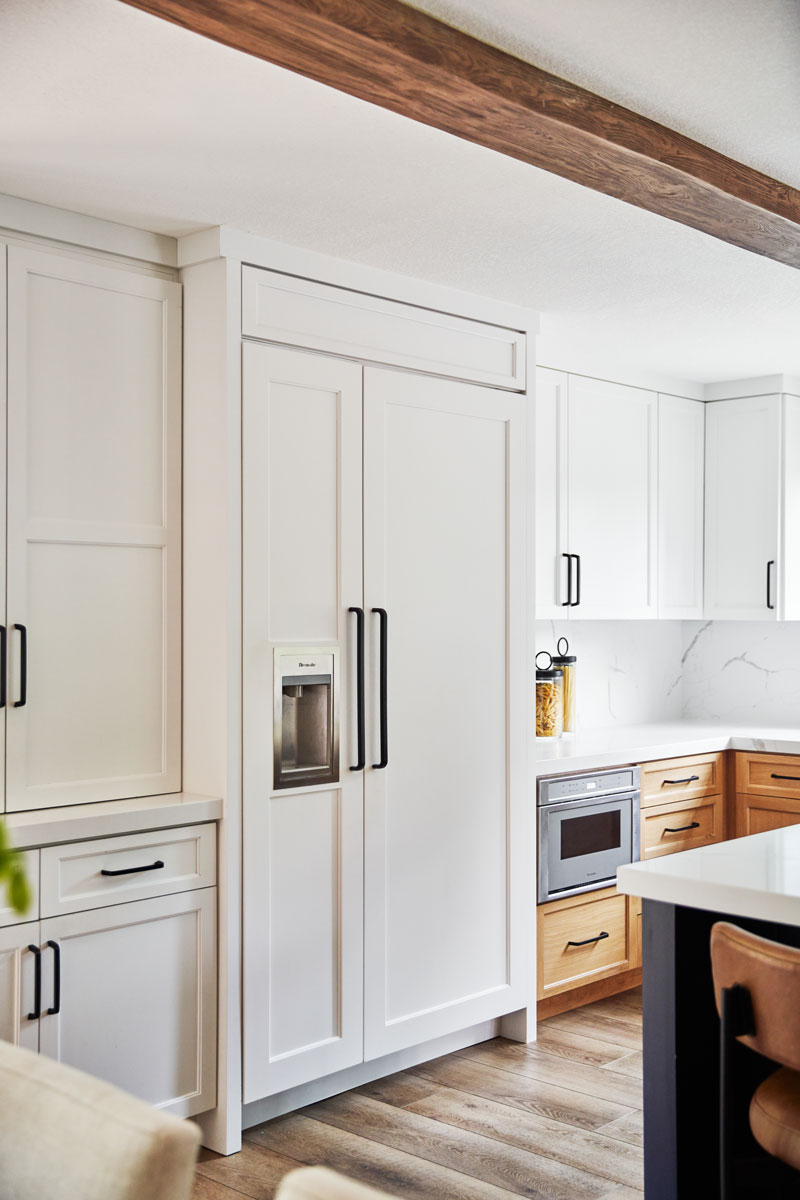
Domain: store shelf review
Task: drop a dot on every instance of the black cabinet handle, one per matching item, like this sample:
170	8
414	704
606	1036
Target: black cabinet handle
3	665
54	946
688	779
23	667
795	778
567	603
384	690
156	866
770	565
362	750
37	983
682	828
589	941
577	599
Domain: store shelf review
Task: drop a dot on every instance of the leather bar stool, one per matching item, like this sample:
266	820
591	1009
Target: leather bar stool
757	990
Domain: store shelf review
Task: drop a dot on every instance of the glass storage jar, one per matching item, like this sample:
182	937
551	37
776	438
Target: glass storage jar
568	663
549	700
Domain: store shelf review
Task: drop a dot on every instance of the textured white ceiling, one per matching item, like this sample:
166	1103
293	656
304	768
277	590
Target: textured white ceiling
108	111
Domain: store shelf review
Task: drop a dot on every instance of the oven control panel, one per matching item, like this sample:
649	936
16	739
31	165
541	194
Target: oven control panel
587	784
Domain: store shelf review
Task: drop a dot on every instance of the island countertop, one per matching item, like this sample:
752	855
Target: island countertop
756	876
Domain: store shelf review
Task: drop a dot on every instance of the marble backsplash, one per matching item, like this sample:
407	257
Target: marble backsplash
635	672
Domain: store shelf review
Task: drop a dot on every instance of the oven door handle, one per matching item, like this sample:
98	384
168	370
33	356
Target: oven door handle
589	941
620	798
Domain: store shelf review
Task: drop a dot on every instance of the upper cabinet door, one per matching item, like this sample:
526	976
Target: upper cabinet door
681	441
611	499
554	571
743	496
94	525
446	885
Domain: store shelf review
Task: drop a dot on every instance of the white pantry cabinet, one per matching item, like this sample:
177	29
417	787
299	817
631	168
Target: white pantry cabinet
753	508
681	486
596	497
388	908
93	488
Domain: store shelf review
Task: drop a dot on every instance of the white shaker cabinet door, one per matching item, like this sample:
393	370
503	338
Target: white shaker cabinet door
302	571
743	504
445	899
681	474
554	571
612	497
136	997
19	945
94	523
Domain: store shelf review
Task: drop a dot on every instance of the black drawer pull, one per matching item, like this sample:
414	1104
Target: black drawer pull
795	778
156	866
37	983
682	828
589	941
690	779
23	667
54	946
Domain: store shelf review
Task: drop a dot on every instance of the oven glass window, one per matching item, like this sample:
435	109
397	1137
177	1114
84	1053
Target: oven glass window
590	834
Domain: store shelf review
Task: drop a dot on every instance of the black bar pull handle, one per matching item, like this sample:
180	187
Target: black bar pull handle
362	746
567	603
577	599
770	565
54	946
589	941
156	866
37	983
23	667
682	828
795	778
3	665
688	779
384	690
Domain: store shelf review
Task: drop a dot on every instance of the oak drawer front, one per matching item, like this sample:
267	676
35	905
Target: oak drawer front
565	963
668	828
768	774
681	779
757	814
138	865
30	863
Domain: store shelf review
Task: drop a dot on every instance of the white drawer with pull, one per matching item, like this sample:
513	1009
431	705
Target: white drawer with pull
111	870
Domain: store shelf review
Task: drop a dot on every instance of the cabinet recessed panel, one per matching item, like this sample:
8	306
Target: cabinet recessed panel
304	921
303	485
94	705
17	985
95	403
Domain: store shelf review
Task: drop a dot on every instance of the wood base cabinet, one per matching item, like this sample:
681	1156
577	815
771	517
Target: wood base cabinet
585	938
767	792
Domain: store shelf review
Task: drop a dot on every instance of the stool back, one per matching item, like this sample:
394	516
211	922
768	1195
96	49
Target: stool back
771	974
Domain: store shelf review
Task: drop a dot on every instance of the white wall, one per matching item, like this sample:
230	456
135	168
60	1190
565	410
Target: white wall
740	670
633	672
629	672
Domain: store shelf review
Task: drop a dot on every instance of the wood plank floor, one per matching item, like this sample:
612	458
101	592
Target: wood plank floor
561	1119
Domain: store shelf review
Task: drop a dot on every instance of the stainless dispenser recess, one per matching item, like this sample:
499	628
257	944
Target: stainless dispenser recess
306	716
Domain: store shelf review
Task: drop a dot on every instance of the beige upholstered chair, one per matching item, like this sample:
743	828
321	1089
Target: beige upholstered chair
67	1136
318	1183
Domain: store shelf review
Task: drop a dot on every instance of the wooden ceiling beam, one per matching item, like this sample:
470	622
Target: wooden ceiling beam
389	54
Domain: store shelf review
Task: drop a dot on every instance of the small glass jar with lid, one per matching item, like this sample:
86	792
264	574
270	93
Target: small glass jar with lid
549	698
568	663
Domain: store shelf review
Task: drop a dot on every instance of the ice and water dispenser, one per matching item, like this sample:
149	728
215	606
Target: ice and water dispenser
306	716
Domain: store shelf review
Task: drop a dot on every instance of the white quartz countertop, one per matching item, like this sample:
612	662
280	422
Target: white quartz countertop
46	827
643	743
757	876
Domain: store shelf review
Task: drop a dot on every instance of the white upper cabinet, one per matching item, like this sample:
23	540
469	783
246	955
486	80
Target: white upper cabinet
596	497
681	440
94	525
753	508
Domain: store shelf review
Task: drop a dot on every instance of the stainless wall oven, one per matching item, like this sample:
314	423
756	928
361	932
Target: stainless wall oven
588	826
